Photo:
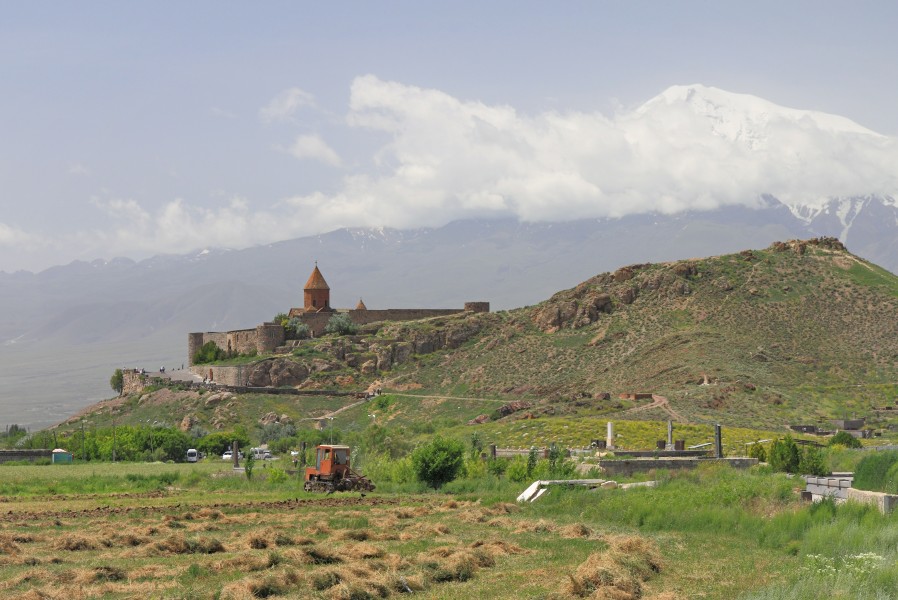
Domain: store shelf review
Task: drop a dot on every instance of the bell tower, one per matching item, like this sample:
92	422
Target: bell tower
316	294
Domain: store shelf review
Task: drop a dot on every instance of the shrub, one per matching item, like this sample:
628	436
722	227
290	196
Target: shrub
208	352
277	476
812	462
117	381
784	455
439	461
340	324
757	450
518	470
297	329
843	438
877	472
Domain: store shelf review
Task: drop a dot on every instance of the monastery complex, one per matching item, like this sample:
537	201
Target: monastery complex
315	313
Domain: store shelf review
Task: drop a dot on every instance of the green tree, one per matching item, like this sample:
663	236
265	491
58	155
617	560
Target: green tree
248	464
812	462
117	381
439	461
296	329
784	455
532	459
757	450
281	319
340	324
216	443
843	438
208	352
476	444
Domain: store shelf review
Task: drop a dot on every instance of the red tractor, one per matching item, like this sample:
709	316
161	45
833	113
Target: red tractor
332	473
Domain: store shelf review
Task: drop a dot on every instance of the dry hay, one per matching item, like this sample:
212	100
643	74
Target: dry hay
8	546
178	544
248	562
101	574
312	555
618	572
358	535
455	564
319	529
575	531
499	547
363	551
212	514
75	542
477	515
403	513
427	530
503	508
255	586
502	522
540	526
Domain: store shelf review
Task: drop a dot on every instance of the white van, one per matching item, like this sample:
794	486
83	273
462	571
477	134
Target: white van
261	454
192	455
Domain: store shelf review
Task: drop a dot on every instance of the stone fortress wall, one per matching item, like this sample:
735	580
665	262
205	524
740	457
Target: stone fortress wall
267	337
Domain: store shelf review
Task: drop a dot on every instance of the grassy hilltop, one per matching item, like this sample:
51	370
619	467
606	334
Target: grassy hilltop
802	331
799	332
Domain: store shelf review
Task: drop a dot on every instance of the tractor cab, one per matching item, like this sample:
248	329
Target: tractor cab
331	472
331	462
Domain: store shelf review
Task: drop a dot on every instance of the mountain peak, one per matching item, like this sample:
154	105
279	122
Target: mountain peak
747	118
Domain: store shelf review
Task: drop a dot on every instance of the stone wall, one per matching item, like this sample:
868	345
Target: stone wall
886	503
264	338
233	375
638	465
132	381
477	307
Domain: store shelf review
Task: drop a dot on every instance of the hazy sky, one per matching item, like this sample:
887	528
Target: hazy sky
130	129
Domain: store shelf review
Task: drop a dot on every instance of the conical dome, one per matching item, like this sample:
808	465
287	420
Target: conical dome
361	305
316	281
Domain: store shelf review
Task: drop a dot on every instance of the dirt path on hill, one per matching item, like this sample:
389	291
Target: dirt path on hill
333	413
662	403
443	397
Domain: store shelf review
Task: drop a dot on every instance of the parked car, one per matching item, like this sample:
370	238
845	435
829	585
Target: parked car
228	455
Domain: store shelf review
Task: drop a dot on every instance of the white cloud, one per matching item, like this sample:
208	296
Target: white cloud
78	169
282	106
312	147
13	237
444	158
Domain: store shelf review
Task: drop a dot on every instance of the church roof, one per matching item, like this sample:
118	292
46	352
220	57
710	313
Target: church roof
361	305
316	281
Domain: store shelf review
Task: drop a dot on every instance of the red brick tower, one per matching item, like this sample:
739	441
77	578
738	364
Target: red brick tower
317	294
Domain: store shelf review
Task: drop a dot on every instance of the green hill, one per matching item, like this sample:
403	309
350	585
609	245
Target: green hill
800	332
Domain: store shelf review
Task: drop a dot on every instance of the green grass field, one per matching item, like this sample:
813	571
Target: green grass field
200	531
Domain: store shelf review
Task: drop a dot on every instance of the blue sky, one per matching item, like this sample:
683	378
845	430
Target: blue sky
134	129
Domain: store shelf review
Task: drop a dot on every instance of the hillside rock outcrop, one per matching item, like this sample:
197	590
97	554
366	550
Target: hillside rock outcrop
277	372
